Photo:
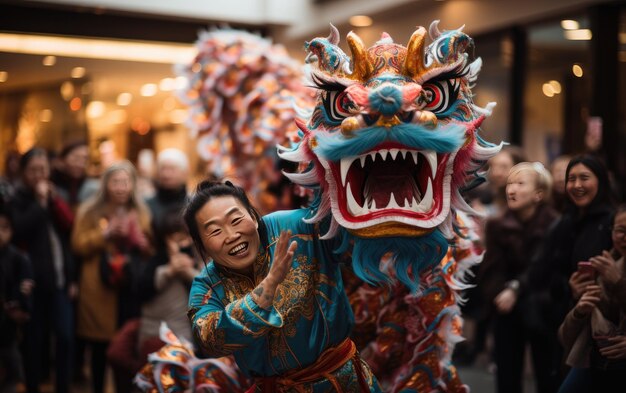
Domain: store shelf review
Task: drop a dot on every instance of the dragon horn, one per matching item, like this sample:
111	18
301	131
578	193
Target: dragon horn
414	63
433	30
361	67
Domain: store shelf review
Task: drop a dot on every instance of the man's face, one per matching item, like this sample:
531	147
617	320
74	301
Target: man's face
170	175
75	162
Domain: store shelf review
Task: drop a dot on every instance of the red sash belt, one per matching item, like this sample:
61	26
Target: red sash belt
329	361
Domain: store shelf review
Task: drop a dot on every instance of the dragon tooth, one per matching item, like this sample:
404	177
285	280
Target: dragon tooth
392	202
414	154
394	153
383	154
362	159
345	167
353	206
427	200
373	155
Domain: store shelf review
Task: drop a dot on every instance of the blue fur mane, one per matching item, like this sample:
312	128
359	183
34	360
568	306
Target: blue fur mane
444	139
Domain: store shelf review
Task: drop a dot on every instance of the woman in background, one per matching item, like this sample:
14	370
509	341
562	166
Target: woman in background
511	242
594	332
112	230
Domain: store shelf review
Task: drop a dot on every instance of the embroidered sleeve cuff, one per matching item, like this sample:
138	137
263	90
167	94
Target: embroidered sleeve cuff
258	315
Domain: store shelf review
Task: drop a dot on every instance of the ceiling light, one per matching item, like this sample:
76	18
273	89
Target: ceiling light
77	72
117	116
577	70
124	99
360	21
547	90
76	103
181	82
578	35
95	109
169	103
167	53
67	90
167	84
49	61
148	90
4	76
568	24
556	86
178	116
45	116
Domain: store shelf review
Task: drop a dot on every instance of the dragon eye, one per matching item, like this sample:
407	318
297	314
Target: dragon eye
442	95
337	106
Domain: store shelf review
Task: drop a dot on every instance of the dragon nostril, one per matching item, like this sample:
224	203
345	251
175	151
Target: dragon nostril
386	100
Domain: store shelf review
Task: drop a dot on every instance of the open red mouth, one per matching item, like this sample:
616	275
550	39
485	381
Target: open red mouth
390	180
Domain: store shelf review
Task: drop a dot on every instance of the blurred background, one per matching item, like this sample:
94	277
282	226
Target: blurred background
104	70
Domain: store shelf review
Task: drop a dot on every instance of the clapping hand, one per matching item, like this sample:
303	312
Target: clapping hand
589	300
606	267
617	348
283	255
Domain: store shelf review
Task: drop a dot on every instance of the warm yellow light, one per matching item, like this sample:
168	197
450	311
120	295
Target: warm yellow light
45	116
568	24
169	103
167	53
178	116
124	99
78	72
556	86
148	90
67	90
117	116
181	82
4	76
547	90
167	84
578	35
76	103
49	61
360	21
577	70
95	109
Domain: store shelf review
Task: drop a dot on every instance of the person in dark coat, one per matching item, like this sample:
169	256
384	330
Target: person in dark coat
511	241
71	173
43	222
582	232
171	188
16	285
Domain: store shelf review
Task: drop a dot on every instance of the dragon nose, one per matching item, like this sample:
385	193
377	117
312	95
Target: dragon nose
387	100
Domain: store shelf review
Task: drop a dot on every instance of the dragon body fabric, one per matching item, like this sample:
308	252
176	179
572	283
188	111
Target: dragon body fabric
388	148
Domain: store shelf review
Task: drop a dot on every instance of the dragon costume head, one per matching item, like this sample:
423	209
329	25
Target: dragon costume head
389	145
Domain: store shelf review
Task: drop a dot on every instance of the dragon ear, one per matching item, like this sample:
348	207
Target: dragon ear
333	37
361	66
